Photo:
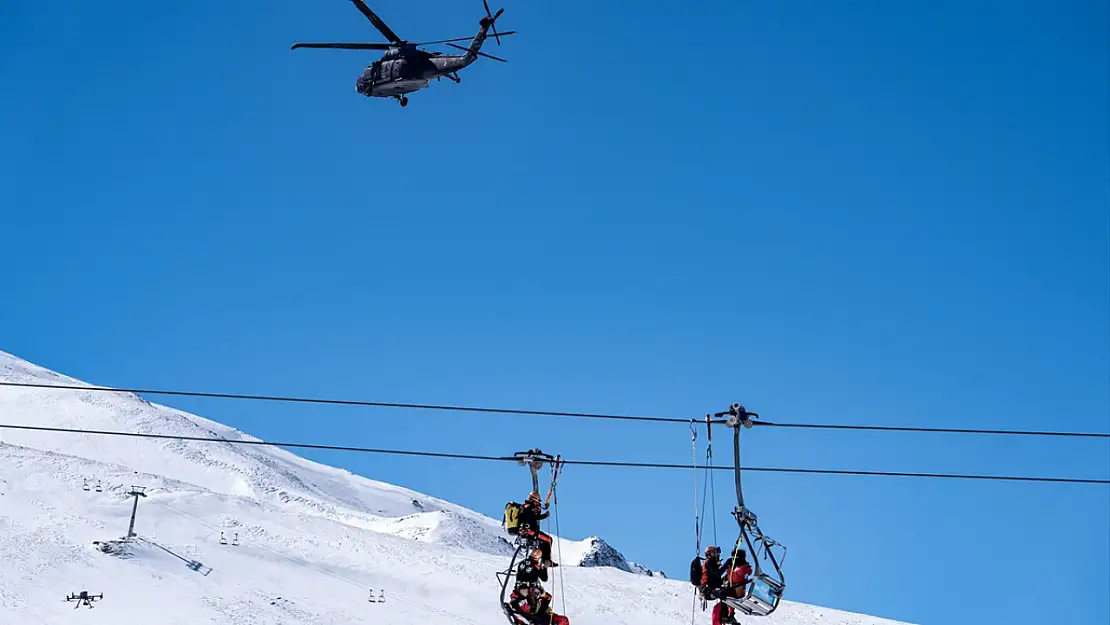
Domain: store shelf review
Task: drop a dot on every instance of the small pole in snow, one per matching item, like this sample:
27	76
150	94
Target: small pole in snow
136	492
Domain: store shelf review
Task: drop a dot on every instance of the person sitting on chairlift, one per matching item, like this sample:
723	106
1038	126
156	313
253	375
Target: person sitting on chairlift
738	570
738	573
531	513
534	604
519	603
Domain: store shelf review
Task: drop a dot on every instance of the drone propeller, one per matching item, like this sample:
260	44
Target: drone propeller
480	53
493	18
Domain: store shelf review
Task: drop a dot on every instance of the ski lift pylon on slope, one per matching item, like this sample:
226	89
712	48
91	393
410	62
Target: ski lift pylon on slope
767	584
534	459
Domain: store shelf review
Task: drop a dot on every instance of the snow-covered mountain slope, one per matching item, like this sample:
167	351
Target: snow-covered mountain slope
314	542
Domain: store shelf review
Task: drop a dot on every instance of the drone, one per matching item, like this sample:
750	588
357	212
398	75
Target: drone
404	68
84	598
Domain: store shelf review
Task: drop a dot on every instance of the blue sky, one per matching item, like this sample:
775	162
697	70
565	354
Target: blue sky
850	212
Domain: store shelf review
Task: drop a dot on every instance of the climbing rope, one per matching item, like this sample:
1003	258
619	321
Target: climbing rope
697	513
713	496
559	552
694	467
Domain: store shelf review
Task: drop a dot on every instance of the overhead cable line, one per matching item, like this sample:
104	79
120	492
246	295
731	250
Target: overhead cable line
596	463
349	402
550	413
888	428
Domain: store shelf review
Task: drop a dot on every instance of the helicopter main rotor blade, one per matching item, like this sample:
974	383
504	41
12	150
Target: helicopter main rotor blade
480	53
376	21
345	46
428	43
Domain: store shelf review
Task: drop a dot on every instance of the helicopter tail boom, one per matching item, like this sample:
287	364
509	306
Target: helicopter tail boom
487	23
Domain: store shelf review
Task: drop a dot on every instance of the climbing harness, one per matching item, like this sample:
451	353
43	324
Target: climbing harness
534	459
767	584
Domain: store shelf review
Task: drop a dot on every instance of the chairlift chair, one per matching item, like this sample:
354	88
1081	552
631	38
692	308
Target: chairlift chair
764	591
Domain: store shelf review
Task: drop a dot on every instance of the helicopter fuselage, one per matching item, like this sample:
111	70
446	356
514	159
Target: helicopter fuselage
399	72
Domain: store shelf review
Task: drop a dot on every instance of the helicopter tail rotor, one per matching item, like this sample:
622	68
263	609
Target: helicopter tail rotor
493	19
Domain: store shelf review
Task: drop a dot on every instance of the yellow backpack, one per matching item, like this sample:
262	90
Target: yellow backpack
511	520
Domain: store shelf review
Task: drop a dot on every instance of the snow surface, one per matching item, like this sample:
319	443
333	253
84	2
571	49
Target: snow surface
315	542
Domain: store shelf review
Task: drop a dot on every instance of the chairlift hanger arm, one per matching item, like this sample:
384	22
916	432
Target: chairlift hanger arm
534	459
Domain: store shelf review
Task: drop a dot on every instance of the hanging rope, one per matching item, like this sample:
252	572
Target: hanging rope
559	546
694	466
704	503
697	513
709	463
713	491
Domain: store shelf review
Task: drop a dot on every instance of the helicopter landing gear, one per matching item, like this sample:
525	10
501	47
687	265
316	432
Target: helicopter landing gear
403	100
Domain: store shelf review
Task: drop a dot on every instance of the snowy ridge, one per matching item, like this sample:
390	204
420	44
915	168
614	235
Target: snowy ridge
262	473
596	552
314	541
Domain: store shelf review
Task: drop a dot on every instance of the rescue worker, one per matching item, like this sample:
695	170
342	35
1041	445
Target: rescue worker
712	573
531	513
722	614
532	571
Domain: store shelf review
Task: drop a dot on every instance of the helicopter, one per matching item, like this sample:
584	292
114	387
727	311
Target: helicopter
404	68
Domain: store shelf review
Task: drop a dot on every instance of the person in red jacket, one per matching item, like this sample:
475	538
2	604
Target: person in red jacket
738	571
532	606
721	614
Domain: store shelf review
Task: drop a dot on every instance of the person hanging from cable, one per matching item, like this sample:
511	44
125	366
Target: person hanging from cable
712	573
531	513
532	571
